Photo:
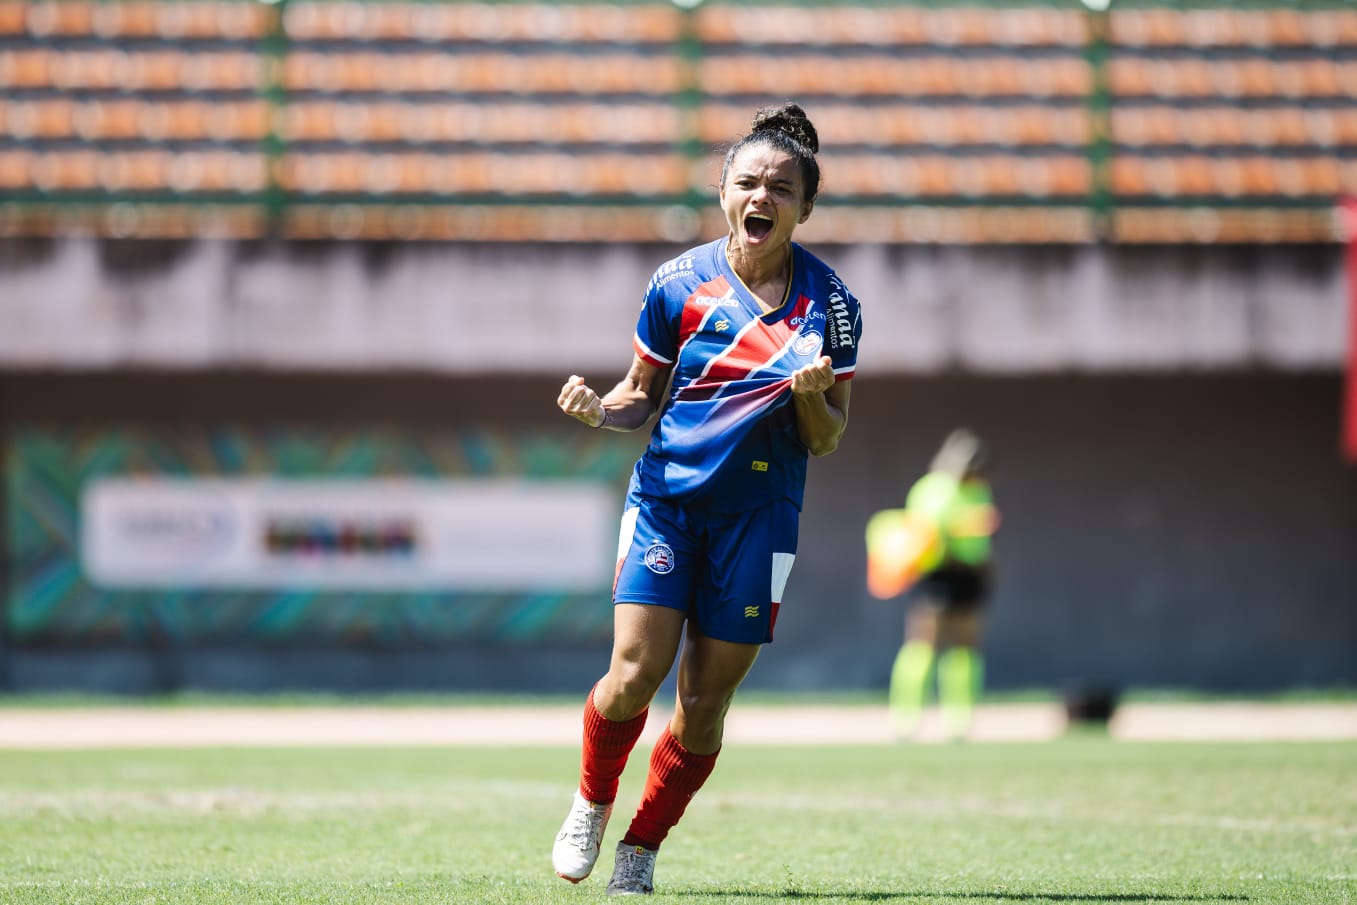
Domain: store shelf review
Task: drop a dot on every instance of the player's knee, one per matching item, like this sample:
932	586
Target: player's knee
705	711
629	686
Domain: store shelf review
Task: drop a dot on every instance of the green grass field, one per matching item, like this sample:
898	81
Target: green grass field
1084	819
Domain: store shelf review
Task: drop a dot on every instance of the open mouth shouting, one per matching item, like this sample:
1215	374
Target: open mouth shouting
757	227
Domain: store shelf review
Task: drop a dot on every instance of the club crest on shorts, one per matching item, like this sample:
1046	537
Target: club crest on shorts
659	558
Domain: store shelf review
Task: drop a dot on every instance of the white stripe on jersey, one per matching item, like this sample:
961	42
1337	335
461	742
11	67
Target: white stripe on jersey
711	311
636	337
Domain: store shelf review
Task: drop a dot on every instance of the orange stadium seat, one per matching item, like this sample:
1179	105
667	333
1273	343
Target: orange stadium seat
42	120
140	170
26	68
218	171
1287	126
1333	126
481	72
1347	175
1227	28
532	173
1127	176
1250	175
120	120
124	20
65	171
46	20
15	169
897	26
13	19
480	22
1332	27
172	21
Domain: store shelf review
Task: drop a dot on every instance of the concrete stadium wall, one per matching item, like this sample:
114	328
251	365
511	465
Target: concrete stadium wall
1176	530
1165	422
491	309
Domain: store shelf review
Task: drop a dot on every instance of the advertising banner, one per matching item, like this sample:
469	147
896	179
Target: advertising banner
244	535
472	534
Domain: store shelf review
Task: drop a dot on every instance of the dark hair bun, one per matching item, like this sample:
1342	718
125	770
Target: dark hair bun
790	120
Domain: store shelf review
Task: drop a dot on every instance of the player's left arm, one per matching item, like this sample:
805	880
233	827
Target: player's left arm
821	405
625	407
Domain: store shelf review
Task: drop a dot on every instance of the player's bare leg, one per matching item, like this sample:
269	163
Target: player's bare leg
645	643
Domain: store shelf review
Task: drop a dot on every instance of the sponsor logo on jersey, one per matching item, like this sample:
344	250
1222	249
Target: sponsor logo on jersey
751	612
840	324
807	343
721	326
711	301
802	319
659	558
671	270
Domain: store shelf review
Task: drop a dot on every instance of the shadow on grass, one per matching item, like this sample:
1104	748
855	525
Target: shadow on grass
900	896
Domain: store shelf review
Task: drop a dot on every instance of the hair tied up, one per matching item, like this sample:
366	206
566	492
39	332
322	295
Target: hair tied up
790	120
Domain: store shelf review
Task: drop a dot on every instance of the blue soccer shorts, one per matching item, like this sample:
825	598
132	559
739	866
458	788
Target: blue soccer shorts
727	571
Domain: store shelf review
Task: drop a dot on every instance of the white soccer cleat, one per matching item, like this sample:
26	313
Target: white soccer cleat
633	871
581	836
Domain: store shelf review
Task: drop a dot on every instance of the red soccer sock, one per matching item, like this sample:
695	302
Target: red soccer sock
606	747
675	776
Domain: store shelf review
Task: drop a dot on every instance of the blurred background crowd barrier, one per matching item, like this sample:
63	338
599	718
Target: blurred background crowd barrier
556	121
287	292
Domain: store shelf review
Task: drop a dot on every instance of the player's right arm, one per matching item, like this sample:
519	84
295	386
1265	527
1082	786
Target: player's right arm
626	406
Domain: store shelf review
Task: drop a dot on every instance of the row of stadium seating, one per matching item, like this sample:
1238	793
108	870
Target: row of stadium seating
732	24
908	127
914	224
552	71
658	176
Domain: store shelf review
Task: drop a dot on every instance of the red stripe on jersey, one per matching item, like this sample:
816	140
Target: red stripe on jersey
693	313
757	346
646	355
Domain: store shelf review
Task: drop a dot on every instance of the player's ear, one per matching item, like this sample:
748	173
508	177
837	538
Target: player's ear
806	208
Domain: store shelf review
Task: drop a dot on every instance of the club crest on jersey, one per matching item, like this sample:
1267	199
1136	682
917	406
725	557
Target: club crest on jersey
659	558
807	343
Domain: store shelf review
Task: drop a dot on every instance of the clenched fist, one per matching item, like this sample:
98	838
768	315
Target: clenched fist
813	378
581	403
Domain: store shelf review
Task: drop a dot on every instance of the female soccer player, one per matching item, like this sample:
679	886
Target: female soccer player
746	346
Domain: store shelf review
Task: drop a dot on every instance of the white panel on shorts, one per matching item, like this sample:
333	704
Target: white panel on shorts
782	570
628	531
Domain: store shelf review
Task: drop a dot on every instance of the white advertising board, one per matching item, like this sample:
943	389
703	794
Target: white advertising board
505	535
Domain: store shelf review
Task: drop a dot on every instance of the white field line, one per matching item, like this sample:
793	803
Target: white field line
366	726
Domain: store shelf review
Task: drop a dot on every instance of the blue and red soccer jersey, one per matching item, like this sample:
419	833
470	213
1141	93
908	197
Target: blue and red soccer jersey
726	437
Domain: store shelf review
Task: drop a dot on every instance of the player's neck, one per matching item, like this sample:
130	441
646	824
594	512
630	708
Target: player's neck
764	275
